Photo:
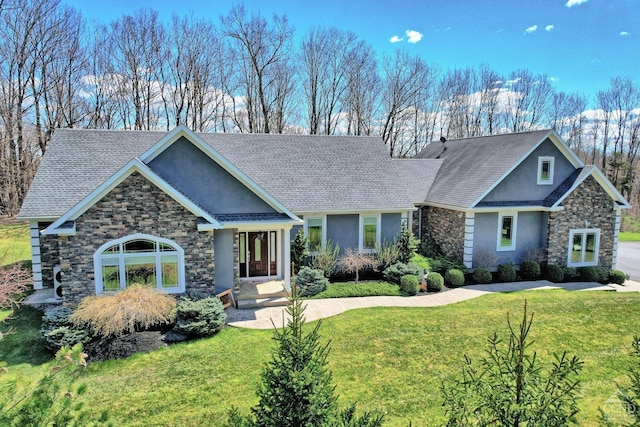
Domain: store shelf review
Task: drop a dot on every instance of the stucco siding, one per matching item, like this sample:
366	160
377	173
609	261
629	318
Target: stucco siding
223	249
194	173
521	183
390	224
343	230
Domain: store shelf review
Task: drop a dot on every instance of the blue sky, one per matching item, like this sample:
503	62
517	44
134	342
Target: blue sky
580	44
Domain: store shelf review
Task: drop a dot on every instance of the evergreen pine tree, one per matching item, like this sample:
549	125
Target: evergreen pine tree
296	385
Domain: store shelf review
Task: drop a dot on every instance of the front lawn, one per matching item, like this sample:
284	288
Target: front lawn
14	242
387	359
629	237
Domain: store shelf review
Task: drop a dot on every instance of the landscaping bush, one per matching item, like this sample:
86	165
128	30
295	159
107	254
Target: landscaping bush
133	309
420	262
407	245
570	274
353	262
588	274
299	251
435	282
618	277
386	255
326	259
506	273
603	275
396	271
59	331
122	346
198	318
454	278
442	263
530	269
482	276
555	273
409	284
310	282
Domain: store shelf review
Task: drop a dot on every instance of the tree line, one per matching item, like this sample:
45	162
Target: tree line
248	73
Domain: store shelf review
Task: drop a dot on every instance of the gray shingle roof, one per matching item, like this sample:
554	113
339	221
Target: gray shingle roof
304	173
474	165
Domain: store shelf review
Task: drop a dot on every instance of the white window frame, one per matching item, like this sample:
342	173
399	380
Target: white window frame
541	161
514	231
378	218
584	232
305	229
121	256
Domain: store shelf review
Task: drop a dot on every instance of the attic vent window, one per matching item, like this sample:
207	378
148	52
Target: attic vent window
545	170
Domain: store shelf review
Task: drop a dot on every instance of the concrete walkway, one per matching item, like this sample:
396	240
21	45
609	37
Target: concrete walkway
262	318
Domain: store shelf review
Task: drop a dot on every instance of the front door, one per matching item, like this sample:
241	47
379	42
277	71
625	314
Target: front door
258	254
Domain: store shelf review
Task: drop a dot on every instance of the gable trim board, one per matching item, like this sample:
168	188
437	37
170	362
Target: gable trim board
134	165
183	131
604	183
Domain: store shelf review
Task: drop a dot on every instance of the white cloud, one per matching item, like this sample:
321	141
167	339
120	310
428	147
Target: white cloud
553	79
625	33
413	36
572	3
548	28
395	39
531	29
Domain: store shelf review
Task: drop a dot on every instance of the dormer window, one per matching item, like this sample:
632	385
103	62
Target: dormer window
545	170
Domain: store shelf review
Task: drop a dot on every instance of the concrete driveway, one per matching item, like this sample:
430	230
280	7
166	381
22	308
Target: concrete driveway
629	259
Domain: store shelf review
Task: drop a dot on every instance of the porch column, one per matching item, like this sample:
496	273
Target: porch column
286	252
36	258
616	239
469	226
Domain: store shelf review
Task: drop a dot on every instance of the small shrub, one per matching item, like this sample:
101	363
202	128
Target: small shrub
199	317
326	259
121	346
588	274
409	284
435	282
603	274
420	262
407	245
535	253
530	269
133	309
396	271
310	282
618	277
570	274
506	273
484	257
386	255
59	331
482	276
454	278
555	273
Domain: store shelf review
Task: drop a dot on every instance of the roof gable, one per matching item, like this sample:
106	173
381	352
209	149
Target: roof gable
135	165
600	179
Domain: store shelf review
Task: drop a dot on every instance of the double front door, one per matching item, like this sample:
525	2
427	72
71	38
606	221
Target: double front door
258	253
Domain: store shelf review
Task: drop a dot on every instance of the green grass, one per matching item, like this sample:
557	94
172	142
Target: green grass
629	237
360	289
388	359
14	243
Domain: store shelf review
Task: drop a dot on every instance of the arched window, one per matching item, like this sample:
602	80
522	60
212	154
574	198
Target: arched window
139	259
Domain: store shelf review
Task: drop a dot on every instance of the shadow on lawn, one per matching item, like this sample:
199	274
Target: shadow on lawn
24	343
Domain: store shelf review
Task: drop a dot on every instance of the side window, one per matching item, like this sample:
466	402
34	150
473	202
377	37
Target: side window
507	223
369	232
314	231
545	170
584	245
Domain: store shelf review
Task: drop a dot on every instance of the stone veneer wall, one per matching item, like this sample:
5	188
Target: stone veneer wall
49	255
134	206
446	228
588	202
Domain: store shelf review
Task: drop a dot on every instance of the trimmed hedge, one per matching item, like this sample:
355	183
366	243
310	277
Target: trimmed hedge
454	278
618	277
555	273
409	284
588	274
311	281
435	282
482	276
530	269
506	273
